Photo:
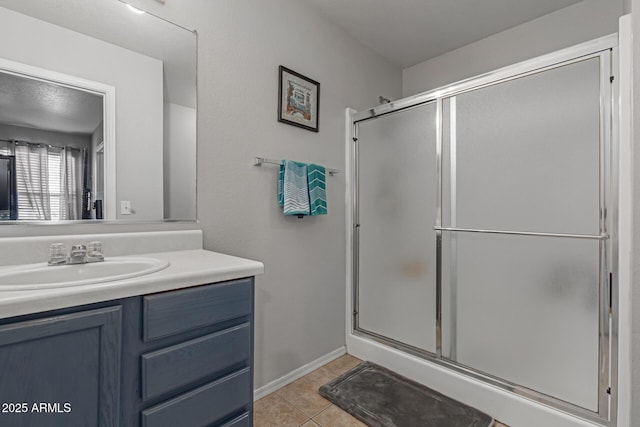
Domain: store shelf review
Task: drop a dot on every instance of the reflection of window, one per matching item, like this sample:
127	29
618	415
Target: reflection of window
49	181
54	161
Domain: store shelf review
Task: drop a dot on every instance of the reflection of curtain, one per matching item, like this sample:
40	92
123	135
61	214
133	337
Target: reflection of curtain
6	148
33	181
72	183
50	180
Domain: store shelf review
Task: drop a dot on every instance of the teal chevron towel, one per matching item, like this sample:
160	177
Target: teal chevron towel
317	189
281	185
295	189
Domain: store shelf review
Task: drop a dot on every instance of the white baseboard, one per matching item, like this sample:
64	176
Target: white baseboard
298	373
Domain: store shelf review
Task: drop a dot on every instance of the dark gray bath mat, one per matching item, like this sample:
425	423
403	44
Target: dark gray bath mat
381	398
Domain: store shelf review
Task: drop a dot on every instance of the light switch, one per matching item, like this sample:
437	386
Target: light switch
125	207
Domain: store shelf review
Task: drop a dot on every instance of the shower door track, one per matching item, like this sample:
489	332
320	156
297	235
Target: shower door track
601	48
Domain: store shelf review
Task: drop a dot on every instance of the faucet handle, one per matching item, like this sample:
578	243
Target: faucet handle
94	252
57	254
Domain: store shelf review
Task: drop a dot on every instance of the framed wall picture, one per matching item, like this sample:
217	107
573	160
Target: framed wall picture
298	100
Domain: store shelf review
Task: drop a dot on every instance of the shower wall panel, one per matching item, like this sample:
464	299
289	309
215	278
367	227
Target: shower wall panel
527	152
397	204
527	312
524	155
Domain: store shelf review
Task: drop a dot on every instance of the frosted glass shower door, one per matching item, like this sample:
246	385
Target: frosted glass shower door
526	155
397	195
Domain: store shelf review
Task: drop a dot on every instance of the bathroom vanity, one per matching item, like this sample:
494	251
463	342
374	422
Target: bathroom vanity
171	348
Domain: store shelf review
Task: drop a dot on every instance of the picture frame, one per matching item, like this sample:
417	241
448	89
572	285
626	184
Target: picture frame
298	100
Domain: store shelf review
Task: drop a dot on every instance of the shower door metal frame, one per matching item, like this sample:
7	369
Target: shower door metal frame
603	48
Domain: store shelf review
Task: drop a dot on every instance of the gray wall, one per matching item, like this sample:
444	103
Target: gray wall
581	22
138	82
300	300
45	136
179	161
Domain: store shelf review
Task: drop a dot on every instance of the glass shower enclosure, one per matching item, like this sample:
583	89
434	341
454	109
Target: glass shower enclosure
483	228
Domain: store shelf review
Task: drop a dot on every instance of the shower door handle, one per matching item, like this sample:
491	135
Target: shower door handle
524	233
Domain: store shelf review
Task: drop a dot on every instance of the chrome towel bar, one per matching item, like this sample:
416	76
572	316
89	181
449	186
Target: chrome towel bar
259	161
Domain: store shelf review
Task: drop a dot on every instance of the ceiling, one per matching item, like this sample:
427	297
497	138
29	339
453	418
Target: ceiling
32	103
407	32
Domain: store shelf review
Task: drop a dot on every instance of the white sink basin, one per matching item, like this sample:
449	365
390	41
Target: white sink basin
42	276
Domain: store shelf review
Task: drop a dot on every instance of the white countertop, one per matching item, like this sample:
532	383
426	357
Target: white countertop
187	268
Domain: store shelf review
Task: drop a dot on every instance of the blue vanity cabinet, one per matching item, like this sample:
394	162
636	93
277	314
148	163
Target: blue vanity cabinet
177	358
61	370
188	357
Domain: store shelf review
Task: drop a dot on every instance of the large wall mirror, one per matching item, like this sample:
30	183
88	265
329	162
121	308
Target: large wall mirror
97	113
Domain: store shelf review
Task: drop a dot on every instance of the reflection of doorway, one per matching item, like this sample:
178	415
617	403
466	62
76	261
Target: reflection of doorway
98	181
58	120
8	190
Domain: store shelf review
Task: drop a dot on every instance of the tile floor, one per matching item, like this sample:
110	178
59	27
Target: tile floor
299	404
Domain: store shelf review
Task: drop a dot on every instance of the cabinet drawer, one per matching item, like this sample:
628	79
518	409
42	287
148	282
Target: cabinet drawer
204	405
243	420
184	363
170	313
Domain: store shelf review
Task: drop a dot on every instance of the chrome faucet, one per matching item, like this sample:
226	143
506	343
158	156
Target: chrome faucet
78	254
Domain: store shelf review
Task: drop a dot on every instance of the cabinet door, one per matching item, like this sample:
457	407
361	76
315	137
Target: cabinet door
62	370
